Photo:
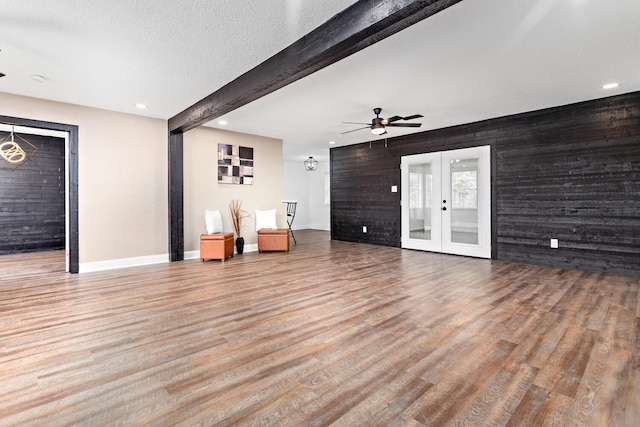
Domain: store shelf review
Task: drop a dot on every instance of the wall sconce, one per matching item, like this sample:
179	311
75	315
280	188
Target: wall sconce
310	164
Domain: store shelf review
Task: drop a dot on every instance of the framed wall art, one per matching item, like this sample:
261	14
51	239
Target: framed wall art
235	164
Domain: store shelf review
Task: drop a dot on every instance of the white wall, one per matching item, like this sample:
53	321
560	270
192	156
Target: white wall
296	187
308	189
319	218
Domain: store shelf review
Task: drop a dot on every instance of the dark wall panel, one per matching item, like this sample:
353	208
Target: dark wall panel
32	197
571	173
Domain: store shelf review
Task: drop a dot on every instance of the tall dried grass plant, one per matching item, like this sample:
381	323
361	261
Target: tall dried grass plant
237	214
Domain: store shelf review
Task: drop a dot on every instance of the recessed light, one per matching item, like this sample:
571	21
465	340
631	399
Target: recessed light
332	142
141	106
610	86
38	78
222	122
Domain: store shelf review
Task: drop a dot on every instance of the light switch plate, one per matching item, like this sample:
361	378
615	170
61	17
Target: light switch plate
394	188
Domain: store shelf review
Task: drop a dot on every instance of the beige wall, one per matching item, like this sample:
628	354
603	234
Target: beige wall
122	181
203	192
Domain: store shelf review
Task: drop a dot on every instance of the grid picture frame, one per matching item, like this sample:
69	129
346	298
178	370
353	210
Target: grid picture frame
235	164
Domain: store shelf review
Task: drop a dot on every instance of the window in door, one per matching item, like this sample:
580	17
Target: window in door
464	200
420	187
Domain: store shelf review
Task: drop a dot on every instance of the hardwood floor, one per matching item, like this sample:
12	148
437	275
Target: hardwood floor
332	333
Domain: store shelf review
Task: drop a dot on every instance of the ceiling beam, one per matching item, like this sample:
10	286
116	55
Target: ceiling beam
357	27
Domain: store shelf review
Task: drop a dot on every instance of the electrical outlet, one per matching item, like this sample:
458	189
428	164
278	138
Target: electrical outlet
364	228
554	243
394	188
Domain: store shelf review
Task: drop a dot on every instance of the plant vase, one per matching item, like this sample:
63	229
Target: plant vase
240	245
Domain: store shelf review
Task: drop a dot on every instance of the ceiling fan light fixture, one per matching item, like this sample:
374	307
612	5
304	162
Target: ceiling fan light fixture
378	124
377	129
310	164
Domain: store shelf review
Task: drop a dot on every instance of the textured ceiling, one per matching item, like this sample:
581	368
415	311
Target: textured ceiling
167	54
475	60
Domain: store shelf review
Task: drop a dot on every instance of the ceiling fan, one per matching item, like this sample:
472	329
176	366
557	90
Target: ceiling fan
378	125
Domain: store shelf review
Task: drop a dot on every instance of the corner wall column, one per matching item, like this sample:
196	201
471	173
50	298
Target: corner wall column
176	197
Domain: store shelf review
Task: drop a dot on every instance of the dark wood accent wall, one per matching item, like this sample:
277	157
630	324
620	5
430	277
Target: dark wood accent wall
32	197
570	172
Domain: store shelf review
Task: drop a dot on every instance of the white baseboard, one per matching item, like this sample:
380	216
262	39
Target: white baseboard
88	267
196	254
311	227
251	248
319	227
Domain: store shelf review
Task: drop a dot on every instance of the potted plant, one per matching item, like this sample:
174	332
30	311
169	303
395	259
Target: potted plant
237	213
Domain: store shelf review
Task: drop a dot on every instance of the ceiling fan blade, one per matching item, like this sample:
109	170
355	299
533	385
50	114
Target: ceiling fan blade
392	119
356	123
353	130
405	125
415	116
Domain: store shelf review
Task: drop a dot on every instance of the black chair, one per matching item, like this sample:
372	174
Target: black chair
291	214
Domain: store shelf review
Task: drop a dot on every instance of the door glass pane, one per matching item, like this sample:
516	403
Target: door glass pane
420	189
464	201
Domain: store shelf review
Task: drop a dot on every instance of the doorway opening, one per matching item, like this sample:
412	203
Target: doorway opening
69	133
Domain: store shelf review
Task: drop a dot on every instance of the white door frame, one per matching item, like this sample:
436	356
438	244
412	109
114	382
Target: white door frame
57	134
441	237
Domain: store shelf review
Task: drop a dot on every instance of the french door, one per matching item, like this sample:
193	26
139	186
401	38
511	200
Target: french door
446	202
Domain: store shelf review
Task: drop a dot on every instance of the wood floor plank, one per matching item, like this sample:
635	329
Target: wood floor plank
382	408
331	333
541	407
600	399
632	402
528	409
564	369
496	402
443	402
536	347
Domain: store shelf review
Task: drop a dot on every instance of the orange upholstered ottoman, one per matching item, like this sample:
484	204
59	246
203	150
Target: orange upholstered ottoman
216	246
273	240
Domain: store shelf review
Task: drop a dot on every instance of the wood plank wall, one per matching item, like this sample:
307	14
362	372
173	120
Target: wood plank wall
570	172
32	197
